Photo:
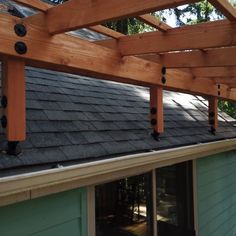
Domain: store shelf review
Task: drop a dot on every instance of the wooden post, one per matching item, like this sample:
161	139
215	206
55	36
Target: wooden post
156	110
213	113
13	99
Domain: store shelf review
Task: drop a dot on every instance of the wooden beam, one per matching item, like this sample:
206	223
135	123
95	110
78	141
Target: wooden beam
156	110
74	55
219	57
154	22
225	7
213	72
106	31
213	113
199	36
76	14
35	4
13	91
227	80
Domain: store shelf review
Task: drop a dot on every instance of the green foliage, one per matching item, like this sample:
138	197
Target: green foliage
128	26
195	13
228	107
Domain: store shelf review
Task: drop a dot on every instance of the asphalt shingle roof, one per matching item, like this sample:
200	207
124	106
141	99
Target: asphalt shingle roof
75	118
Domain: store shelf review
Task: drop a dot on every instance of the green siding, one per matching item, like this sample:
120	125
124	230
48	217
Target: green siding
59	214
216	190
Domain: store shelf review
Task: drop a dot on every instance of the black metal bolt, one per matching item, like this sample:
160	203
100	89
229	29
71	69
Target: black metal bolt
163	70
153	110
155	135
4	122
4	101
163	80
20	48
14	148
213	130
20	30
153	122
212	114
211	122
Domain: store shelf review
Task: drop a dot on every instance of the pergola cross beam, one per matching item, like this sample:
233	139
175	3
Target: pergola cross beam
200	36
225	7
71	15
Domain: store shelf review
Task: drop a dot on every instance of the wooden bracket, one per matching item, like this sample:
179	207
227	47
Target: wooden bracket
213	113
13	99
156	110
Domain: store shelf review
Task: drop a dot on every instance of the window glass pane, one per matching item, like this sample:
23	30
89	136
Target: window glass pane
123	207
174	200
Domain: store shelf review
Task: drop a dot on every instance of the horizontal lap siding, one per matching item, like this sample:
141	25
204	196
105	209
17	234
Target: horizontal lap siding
216	194
59	214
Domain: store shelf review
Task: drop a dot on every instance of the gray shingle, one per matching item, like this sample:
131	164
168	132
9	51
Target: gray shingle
71	117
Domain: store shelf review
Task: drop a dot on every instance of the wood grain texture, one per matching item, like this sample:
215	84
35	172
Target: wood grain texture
225	7
154	22
199	36
76	14
35	4
218	57
215	72
13	86
74	55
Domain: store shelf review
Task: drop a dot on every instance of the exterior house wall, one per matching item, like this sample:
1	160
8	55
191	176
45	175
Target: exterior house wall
216	194
58	214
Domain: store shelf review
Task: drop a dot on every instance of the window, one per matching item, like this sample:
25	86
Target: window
123	207
175	200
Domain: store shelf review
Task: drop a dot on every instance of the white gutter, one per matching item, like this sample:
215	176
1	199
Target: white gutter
32	185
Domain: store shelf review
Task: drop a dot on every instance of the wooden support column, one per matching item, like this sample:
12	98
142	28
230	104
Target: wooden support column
13	100
213	113
156	110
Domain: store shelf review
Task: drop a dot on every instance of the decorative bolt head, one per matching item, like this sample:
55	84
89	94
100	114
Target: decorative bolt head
153	122
153	110
211	114
211	122
4	101
163	70
20	30
4	122
20	48
163	80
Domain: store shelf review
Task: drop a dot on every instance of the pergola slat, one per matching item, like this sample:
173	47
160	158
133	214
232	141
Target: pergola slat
225	7
13	89
154	22
74	55
71	15
199	36
215	72
35	4
190	59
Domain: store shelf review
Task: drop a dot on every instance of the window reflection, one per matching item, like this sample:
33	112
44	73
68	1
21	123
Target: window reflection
174	200
123	207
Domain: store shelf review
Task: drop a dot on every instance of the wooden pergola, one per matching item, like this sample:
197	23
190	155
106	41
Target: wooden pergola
197	59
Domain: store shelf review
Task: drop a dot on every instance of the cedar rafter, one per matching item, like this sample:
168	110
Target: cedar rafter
225	7
218	57
70	15
35	4
199	36
74	55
